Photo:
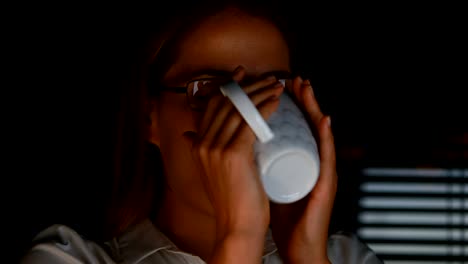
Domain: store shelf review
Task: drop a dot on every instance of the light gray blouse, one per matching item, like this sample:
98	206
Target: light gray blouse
144	243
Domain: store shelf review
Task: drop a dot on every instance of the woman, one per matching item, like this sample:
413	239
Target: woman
206	203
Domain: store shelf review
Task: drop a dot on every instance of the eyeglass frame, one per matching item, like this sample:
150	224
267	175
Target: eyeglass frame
185	89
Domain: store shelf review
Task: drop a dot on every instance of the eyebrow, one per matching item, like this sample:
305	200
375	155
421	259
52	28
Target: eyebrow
220	73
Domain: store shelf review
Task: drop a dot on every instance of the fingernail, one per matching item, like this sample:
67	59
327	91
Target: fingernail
307	83
329	120
238	69
278	84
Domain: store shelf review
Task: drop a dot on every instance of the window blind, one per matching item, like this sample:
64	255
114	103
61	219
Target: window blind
415	215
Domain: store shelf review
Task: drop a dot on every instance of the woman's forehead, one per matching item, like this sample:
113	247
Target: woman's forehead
232	36
224	44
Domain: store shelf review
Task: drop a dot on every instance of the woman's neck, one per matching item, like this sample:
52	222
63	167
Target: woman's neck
191	230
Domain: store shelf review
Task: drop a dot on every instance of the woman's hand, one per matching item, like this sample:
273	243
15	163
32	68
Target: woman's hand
300	229
224	149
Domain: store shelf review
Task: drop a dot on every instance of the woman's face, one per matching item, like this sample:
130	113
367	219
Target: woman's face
219	45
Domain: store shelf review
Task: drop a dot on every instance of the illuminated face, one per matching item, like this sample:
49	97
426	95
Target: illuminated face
220	44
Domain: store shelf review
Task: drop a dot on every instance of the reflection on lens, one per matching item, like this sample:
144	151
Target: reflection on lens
198	92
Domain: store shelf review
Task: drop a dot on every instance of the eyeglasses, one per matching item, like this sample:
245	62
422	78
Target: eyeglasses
199	91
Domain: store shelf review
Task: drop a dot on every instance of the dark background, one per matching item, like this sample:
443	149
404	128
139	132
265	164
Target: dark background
390	76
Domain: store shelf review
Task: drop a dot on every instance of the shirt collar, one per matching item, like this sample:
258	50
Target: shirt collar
144	238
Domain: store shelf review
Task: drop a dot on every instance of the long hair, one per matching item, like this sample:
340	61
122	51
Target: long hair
138	185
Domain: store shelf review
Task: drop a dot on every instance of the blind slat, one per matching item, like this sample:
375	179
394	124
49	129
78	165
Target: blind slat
415	214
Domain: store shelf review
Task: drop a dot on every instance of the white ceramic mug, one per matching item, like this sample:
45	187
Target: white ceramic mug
286	151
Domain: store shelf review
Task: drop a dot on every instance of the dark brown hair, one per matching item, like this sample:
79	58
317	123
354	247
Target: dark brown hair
138	172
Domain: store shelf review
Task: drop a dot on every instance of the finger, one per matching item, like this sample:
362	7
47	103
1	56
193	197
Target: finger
310	103
264	83
232	124
259	95
217	127
327	182
214	104
267	102
219	121
245	134
295	87
239	73
214	84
